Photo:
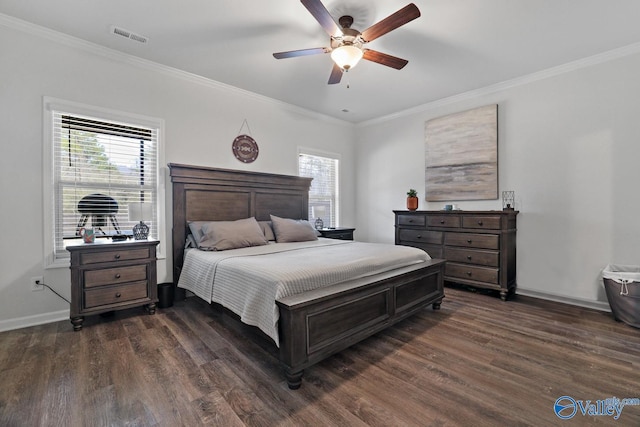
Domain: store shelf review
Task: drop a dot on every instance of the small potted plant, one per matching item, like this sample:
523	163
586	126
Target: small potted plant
412	199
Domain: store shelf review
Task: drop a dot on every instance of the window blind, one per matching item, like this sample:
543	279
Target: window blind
323	195
100	168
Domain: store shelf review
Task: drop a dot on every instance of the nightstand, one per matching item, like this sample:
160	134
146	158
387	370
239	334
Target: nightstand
337	233
109	276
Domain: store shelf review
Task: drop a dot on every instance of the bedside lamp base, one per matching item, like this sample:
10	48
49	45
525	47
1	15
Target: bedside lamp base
140	231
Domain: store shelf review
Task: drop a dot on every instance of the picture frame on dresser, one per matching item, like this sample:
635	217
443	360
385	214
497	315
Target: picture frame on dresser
479	246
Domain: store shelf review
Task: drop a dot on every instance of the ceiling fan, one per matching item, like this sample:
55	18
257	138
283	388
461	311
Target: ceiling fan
347	44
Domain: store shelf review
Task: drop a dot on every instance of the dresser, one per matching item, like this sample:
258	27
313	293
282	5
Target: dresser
109	276
479	246
340	233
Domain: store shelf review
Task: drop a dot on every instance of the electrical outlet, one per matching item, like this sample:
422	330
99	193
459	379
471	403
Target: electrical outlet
37	283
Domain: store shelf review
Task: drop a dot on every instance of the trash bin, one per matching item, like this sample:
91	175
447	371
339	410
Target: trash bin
165	295
622	285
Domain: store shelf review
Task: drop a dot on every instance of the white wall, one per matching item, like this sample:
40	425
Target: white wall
201	120
568	146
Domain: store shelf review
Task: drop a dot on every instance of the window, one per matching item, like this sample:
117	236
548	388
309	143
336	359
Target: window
323	196
103	166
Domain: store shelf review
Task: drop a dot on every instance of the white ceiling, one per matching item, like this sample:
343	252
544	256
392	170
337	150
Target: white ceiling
454	47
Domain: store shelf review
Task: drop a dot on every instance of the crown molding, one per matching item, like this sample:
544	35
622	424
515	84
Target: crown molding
90	47
589	61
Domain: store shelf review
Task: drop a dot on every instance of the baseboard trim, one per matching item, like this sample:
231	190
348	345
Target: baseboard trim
38	319
596	305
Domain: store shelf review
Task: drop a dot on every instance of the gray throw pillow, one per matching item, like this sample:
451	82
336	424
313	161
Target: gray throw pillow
223	235
292	230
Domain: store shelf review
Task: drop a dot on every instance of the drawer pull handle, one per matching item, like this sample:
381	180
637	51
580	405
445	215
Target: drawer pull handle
118	295
419	236
117	276
442	221
117	256
410	221
469	240
469	273
469	257
479	222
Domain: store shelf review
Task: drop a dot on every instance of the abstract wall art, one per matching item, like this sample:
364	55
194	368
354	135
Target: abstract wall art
461	155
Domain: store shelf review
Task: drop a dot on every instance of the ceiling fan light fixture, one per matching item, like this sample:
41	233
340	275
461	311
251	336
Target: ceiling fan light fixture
346	56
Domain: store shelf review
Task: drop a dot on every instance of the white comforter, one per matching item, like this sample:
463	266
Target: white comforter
248	281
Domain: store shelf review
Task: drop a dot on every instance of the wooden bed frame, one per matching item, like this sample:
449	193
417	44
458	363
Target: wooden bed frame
316	324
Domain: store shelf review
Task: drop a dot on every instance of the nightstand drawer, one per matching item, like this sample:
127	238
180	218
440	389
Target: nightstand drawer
484	222
449	221
341	236
109	256
468	272
412	220
112	276
341	233
472	256
115	294
470	240
421	236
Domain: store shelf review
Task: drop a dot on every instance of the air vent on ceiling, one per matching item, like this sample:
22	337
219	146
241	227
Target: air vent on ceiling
128	34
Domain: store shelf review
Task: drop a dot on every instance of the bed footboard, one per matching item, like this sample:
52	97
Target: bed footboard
322	322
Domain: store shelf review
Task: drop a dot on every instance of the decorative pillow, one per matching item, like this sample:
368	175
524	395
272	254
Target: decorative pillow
267	230
291	230
223	235
196	230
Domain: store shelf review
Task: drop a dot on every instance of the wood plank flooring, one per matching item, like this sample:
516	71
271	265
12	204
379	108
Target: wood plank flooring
476	362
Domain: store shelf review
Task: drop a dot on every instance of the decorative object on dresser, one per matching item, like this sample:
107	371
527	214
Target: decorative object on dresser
508	200
112	276
461	156
479	246
340	233
412	199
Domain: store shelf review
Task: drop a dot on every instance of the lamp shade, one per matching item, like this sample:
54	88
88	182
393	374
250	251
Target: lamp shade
140	211
346	56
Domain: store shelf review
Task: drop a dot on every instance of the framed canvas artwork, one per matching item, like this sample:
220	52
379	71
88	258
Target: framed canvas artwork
461	155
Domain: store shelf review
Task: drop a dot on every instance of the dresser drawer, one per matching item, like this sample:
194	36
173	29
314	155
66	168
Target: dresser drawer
471	240
482	222
112	276
472	256
115	294
412	220
422	236
434	251
450	221
469	272
109	256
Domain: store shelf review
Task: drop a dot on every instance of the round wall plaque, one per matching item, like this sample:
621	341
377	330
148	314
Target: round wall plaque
245	148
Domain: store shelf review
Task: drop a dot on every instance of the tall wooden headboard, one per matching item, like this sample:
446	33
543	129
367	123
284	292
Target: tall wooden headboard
211	194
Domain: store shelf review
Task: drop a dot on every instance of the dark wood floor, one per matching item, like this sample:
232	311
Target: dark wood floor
478	361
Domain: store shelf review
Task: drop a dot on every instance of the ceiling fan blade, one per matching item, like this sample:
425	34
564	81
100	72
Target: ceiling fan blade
301	52
391	22
384	59
322	15
336	75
